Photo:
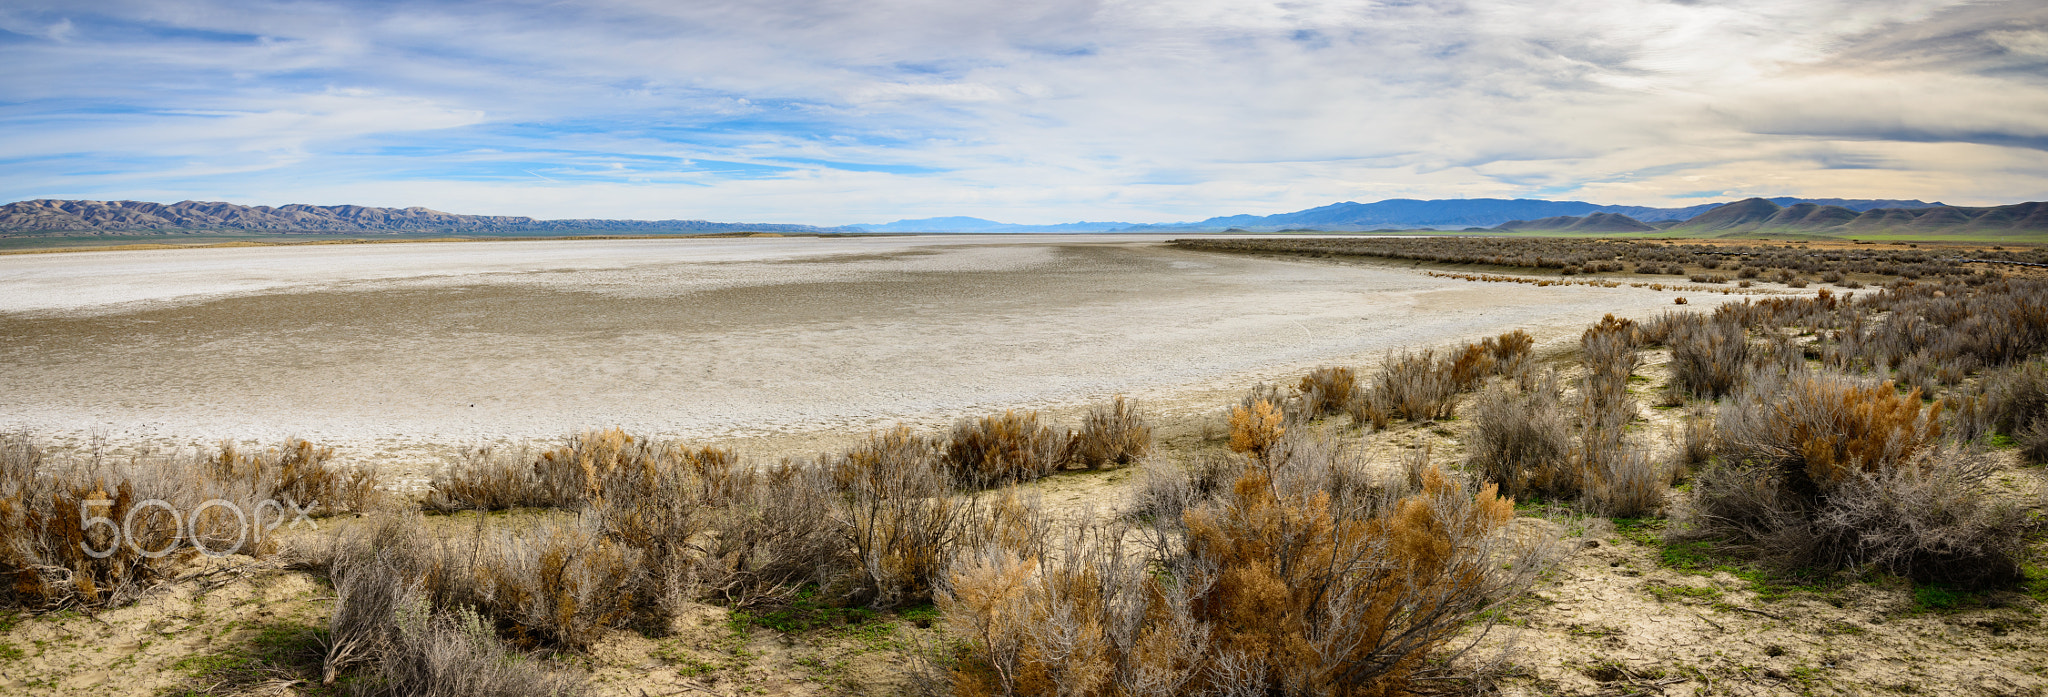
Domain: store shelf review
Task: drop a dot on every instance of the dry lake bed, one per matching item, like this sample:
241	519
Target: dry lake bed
395	352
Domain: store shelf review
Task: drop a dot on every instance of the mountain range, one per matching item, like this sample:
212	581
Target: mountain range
1756	215
141	217
1767	216
1396	214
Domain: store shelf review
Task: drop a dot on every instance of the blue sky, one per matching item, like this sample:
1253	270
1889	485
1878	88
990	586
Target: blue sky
831	112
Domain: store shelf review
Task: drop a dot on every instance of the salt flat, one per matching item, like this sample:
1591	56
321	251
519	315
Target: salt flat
397	347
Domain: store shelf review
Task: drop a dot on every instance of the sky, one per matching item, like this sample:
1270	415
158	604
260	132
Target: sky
833	112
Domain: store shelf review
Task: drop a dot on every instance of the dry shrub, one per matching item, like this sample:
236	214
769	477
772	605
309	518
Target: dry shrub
1115	434
882	452
453	654
1813	432
904	525
1288	402
879	539
872	526
1366	412
488	479
1062	624
667	524
1659	330
375	577
2033	441
401	609
1624	482
1414	386
1709	359
1968	417
1313	601
1292	580
1327	390
559	585
1521	442
2015	402
1830	473
1254	430
1167	489
297	472
1695	440
584	469
1471	365
995	450
1510	350
1932	518
556	584
93	532
1615	477
787	528
1609	348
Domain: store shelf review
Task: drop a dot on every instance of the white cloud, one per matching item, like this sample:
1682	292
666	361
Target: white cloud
1034	112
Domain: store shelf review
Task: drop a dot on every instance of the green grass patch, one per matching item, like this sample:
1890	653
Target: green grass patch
282	650
687	664
2036	582
10	652
803	614
1665	593
1938	598
1700	557
872	636
922	615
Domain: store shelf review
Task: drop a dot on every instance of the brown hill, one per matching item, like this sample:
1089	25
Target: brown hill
1595	222
1745	215
1761	216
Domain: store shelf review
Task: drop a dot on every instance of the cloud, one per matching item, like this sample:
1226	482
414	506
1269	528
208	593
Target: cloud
836	111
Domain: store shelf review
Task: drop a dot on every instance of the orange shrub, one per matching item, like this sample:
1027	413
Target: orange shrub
1471	365
1253	431
1813	433
1280	590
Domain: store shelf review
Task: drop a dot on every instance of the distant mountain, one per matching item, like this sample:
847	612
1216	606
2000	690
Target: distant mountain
966	224
1451	214
139	217
1594	222
1783	214
1744	214
1764	216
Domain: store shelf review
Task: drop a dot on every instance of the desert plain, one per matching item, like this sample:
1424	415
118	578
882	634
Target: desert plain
403	356
398	353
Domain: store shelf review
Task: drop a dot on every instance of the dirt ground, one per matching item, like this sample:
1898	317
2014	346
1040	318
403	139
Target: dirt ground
1616	618
1625	615
400	355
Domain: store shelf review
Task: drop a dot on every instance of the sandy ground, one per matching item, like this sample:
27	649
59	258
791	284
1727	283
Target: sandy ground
396	353
782	345
1611	620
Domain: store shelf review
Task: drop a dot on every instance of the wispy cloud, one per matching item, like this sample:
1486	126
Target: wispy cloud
834	111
